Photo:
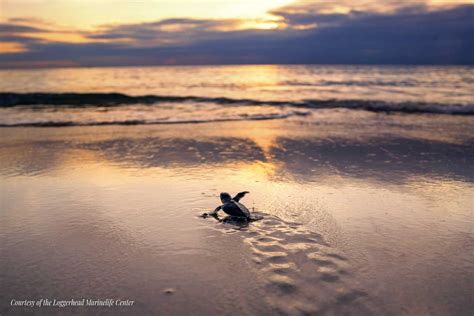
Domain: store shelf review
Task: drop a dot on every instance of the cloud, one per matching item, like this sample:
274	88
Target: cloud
318	7
307	32
7	28
165	32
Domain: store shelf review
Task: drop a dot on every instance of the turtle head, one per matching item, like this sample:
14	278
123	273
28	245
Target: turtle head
225	197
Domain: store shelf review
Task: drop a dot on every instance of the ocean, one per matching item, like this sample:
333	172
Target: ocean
195	94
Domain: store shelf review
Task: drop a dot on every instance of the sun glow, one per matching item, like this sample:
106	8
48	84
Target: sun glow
269	23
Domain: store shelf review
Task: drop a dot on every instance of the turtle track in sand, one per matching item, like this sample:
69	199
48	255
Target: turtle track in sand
303	274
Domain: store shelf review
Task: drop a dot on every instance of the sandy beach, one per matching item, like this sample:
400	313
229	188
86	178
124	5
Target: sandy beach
364	213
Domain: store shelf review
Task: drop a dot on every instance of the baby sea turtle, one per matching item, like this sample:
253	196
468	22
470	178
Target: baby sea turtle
231	206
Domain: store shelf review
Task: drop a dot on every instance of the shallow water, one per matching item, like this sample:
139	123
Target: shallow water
170	95
365	213
438	84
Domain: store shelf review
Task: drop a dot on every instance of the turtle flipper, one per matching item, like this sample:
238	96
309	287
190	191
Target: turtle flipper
215	211
240	195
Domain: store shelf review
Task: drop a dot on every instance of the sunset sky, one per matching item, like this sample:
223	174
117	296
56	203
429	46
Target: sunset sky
37	33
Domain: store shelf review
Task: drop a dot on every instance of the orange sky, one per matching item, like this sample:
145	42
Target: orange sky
88	14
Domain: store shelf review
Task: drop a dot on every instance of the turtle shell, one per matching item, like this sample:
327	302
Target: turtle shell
234	208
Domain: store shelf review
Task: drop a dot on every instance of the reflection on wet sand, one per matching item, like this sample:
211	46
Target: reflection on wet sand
391	160
169	152
17	159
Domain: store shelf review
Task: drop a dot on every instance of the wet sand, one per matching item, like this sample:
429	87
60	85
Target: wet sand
364	214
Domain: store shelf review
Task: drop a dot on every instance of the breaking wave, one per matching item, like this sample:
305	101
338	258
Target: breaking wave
117	99
163	121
